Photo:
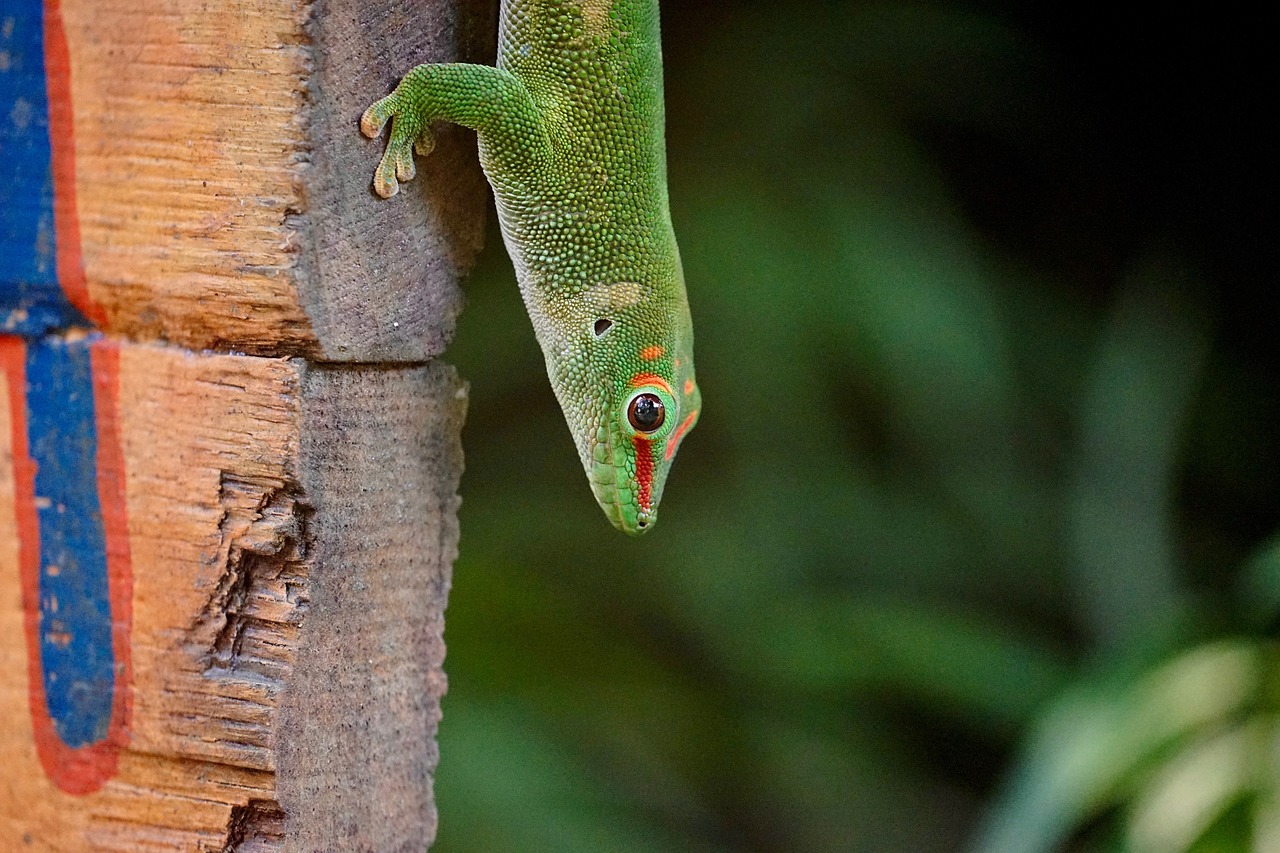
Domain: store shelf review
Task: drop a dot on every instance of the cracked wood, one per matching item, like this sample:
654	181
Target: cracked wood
291	549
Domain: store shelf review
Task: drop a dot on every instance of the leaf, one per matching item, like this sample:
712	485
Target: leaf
1098	737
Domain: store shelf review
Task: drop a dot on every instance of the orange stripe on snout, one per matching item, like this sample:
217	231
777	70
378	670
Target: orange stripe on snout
652	353
674	441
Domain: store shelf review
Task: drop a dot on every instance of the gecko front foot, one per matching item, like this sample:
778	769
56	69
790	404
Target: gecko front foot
410	131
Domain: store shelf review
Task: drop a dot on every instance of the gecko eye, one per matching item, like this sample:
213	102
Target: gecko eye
646	413
603	325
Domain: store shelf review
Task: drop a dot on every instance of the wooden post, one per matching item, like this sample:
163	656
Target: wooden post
228	459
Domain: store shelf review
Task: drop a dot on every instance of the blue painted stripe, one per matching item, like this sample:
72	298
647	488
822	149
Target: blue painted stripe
31	300
75	606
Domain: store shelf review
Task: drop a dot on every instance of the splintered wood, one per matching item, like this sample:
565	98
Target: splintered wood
279	679
228	463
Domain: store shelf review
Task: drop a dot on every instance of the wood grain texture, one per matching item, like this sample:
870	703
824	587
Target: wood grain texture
292	528
223	573
383	283
355	772
223	185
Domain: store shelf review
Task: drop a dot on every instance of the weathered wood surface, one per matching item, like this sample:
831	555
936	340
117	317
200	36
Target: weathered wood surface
228	467
291	529
223	187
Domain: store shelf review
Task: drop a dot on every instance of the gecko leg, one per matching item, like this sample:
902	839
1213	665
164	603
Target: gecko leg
489	100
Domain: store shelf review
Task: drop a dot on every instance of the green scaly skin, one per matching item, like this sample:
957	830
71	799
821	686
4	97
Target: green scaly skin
571	131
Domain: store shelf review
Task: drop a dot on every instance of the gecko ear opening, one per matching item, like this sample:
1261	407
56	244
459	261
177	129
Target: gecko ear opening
602	325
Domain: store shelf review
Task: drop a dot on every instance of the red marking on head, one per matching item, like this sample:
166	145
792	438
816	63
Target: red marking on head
641	379
685	426
644	471
652	353
688	386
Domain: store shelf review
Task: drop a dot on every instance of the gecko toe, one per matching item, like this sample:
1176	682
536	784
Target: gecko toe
405	170
384	179
374	119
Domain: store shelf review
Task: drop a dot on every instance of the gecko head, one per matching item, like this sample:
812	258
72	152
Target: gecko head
630	396
649	417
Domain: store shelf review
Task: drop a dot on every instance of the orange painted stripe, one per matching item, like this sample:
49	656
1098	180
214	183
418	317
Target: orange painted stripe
62	145
105	356
85	769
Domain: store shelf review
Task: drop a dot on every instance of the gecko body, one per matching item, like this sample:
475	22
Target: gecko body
571	133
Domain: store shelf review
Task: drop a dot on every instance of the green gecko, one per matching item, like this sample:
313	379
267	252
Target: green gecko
571	134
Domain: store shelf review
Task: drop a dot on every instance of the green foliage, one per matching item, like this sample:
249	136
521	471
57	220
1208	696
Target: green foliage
1172	752
959	552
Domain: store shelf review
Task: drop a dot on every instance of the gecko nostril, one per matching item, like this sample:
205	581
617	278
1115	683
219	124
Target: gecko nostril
603	325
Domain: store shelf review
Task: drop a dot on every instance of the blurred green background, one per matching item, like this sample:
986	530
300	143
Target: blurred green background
971	549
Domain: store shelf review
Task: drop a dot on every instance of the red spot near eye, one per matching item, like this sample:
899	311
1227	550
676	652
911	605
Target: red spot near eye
650	379
688	386
644	471
652	353
685	426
